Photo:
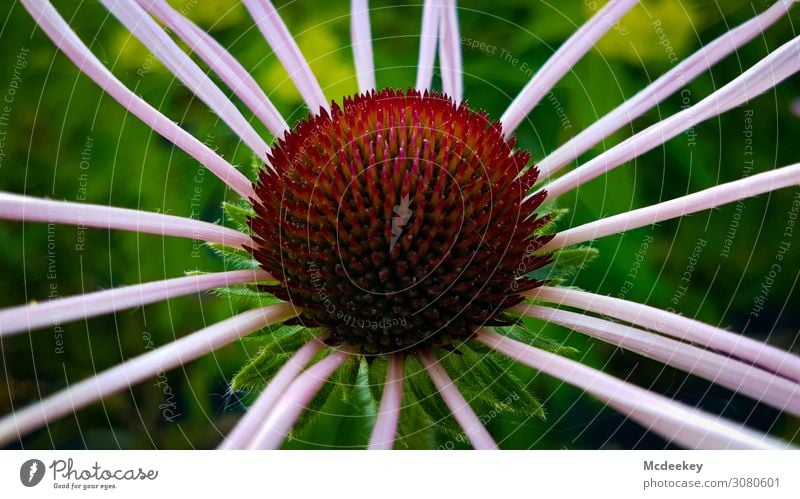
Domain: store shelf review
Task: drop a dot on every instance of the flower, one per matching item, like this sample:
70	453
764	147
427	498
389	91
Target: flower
399	239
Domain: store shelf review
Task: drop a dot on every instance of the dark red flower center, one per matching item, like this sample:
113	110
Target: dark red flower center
398	221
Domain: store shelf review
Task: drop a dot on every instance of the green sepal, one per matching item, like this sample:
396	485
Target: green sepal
256	166
488	385
247	294
564	264
556	214
340	386
237	213
420	391
233	258
278	344
528	330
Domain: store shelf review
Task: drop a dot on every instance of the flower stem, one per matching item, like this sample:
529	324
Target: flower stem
671	420
462	412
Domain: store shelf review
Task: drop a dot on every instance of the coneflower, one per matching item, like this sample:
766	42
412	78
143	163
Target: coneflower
398	232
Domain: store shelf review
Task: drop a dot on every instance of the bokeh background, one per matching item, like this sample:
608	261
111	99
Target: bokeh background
61	137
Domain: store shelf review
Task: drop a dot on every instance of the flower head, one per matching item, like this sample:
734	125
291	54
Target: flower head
400	240
398	221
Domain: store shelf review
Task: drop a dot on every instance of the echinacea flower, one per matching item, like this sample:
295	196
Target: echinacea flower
399	240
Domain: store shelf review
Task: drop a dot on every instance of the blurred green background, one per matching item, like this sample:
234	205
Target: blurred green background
63	138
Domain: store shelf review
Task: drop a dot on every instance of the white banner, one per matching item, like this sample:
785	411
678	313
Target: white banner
352	474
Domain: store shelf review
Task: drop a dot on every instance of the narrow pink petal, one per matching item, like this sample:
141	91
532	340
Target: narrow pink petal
143	27
251	423
671	420
767	73
30	209
222	63
62	310
385	430
685	205
562	61
65	39
450	52
280	40
361	36
760	354
663	87
427	45
295	400
138	369
725	371
462	412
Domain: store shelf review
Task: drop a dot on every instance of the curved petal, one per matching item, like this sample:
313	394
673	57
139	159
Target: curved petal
63	310
385	430
450	52
143	27
361	37
562	61
767	73
663	87
671	420
294	401
427	45
138	369
760	354
222	62
30	209
685	205
762	386
248	427
65	39
277	35
462	412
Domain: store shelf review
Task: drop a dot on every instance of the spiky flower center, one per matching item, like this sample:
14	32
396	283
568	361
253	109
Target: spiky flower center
398	221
